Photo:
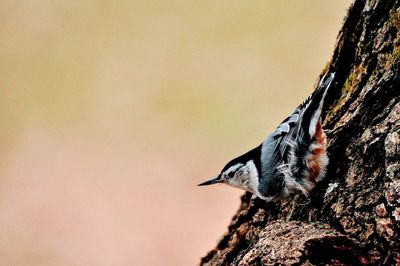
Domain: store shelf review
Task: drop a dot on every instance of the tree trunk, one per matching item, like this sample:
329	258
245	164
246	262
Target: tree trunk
353	216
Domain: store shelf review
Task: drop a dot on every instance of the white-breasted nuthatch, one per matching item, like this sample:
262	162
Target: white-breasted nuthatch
292	158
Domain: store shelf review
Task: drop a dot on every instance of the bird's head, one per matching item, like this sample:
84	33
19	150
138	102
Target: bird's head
240	172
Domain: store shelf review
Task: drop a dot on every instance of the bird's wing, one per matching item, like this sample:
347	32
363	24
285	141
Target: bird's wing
301	123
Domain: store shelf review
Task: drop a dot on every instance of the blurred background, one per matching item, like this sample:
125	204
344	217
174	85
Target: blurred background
112	111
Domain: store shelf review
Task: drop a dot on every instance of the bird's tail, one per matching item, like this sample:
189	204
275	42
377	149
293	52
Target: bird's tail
312	111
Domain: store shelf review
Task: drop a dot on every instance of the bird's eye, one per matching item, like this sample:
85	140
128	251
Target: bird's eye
231	174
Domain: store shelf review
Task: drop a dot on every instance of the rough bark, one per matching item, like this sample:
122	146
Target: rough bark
353	216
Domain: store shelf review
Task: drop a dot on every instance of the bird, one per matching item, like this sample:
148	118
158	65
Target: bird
292	158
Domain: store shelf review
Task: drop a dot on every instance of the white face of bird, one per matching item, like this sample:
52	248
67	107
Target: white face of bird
239	175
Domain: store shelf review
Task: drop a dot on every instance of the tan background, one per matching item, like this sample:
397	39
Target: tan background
112	111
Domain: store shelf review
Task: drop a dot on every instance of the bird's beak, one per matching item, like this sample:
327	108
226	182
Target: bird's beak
211	181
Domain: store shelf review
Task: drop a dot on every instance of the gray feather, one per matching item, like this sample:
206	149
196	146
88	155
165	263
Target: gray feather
294	130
